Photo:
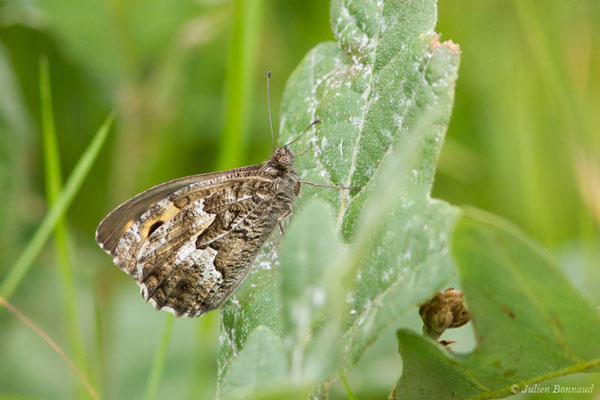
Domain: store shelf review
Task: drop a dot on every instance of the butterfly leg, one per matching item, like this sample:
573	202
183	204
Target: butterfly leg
281	228
328	186
281	218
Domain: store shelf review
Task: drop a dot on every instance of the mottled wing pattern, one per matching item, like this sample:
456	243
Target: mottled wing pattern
191	241
118	221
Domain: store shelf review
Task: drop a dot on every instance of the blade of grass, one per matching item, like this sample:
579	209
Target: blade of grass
52	344
34	246
159	360
61	241
239	80
347	386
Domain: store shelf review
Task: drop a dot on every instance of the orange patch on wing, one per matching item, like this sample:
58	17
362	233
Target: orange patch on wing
163	217
128	225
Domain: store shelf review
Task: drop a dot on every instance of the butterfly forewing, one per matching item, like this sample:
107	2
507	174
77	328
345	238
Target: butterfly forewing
116	223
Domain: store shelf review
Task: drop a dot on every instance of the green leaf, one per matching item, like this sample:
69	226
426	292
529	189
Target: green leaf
309	293
385	99
531	324
384	94
259	371
310	280
257	302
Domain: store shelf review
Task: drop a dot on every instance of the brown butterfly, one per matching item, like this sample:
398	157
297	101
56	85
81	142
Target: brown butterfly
190	242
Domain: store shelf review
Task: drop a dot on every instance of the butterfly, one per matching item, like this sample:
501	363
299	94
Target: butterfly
190	242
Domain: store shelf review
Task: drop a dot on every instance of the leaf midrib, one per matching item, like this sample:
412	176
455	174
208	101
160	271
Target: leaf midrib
346	198
509	263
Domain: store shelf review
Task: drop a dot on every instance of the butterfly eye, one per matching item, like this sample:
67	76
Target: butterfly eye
286	159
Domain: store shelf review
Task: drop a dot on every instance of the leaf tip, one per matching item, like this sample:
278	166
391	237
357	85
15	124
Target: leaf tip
435	43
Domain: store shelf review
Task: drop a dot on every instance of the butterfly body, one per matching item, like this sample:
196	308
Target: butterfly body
190	242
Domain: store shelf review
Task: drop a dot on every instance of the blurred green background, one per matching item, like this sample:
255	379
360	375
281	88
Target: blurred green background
187	79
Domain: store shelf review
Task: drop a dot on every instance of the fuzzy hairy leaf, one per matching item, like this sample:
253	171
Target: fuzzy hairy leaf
309	287
384	94
531	324
385	98
306	293
262	363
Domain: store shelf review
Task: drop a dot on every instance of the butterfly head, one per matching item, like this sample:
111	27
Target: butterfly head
281	163
284	156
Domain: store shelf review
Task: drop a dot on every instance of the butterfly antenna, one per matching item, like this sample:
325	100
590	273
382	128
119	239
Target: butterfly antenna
304	131
269	108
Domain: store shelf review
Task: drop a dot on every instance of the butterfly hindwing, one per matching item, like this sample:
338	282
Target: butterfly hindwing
176	273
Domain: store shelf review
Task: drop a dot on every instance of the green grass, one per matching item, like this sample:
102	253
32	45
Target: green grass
347	386
61	239
20	268
58	199
240	81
